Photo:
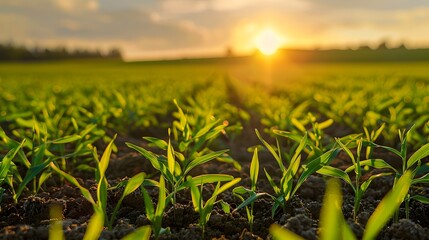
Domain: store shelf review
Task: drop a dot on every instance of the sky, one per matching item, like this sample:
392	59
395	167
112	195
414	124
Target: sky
151	29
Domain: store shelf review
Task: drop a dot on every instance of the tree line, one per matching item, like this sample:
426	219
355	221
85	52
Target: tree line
11	52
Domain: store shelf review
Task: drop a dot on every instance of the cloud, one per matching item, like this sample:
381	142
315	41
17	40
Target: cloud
77	5
368	4
162	26
70	21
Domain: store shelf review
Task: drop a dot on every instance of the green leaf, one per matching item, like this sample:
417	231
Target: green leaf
296	159
271	150
254	169
272	183
104	162
150	209
141	233
298	124
133	183
203	159
226	208
421	199
379	130
422	179
315	165
335	172
207	128
364	186
95	226
347	150
195	194
30	175
252	198
205	178
418	155
392	150
326	124
375	163
7	160
226	186
331	215
67	139
147	154
387	207
160	206
157	142
87	129
86	194
280	233
170	158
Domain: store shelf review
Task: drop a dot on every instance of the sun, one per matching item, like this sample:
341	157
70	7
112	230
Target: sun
268	41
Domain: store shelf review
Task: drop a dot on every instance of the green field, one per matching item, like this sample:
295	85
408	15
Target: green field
56	119
140	95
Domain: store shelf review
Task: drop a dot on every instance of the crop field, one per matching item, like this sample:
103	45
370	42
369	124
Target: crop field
214	149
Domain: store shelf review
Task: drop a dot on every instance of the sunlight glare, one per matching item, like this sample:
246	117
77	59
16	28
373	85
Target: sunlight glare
268	41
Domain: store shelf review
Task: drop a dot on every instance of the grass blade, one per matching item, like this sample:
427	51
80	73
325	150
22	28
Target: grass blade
335	172
95	226
387	207
418	155
254	169
280	233
203	159
141	233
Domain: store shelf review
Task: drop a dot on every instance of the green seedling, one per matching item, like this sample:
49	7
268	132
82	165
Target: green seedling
191	151
249	196
412	163
388	206
5	168
99	206
155	215
205	208
372	137
332	224
294	175
41	157
315	134
359	188
132	184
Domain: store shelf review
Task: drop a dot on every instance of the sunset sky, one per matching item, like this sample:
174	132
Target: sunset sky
180	28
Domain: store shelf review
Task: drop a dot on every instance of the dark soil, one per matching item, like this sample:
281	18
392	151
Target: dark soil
29	218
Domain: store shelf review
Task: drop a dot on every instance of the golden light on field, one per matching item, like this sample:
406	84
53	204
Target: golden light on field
268	41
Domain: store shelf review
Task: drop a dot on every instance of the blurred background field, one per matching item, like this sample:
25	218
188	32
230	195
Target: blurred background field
270	92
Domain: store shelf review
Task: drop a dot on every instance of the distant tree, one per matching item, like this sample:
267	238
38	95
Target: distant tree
229	52
11	52
114	53
382	46
402	46
364	47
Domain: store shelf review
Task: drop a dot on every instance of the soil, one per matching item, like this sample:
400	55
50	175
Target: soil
29	218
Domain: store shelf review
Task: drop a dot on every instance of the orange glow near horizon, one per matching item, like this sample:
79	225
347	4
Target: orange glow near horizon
268	41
